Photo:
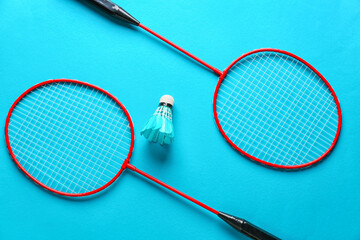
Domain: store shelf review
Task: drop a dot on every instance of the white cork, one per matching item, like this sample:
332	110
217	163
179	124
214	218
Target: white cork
167	99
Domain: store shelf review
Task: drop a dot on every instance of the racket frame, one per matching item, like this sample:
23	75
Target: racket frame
124	165
289	167
239	224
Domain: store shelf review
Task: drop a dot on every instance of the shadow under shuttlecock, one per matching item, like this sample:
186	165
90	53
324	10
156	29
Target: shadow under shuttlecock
159	152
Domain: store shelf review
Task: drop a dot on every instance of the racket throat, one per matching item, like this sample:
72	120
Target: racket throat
131	167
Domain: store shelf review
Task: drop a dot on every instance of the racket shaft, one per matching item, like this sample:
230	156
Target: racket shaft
131	167
119	13
113	10
215	70
239	224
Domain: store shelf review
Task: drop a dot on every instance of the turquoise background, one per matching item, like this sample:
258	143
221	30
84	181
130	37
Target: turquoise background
41	40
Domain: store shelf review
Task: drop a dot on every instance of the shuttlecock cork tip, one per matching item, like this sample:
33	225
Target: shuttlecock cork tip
167	99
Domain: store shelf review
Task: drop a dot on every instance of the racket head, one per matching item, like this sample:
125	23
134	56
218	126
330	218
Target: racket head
228	107
62	177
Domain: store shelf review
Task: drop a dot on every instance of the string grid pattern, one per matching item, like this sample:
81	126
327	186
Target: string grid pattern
70	137
164	111
277	109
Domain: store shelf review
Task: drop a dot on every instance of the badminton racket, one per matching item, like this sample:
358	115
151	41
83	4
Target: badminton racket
75	139
270	105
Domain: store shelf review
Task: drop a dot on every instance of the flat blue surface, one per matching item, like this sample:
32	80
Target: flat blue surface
43	40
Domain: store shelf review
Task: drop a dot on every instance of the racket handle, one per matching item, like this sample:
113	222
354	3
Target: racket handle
113	10
246	228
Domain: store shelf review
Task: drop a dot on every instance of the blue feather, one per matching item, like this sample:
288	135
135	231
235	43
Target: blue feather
159	128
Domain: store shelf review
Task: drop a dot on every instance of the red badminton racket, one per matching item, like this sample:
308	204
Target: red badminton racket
75	139
269	104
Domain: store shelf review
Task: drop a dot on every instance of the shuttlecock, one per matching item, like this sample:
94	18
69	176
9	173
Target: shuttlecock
159	128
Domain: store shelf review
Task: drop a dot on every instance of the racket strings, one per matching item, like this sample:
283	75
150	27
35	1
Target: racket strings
275	99
290	74
22	152
70	137
83	112
276	109
55	120
43	148
257	104
325	137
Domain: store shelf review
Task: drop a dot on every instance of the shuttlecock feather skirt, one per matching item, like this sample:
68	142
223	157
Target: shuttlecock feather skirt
159	128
